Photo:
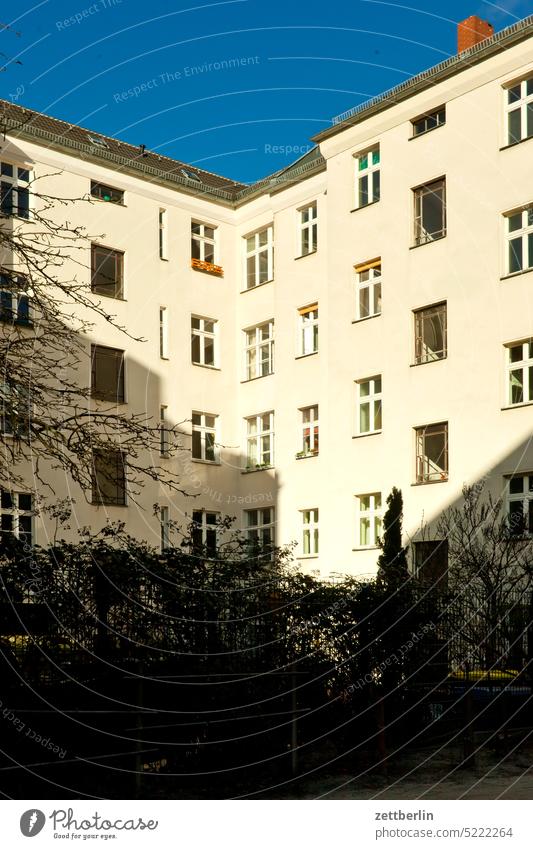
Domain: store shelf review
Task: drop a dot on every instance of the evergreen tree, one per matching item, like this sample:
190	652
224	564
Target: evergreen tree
392	562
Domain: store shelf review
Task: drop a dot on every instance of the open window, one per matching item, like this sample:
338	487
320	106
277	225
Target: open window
430	211
432	453
430	334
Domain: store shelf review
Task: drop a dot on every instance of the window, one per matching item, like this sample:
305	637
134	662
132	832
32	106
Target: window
204	532
107	193
14	302
310	531
369	405
520	504
107	272
163	431
519	234
16	516
163	234
259	527
107	374
519	110
308	330
520	372
260	441
164	522
432	453
109	478
309	425
431	562
368	292
429	121
14	190
202	242
430	334
15	410
369	516
367	177
308	229
430	212
259	350
204	437
163	333
259	257
204	342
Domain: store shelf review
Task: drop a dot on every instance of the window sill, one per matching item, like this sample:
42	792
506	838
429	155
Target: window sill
302	256
257	286
425	133
205	462
366	318
372	203
428	362
429	483
111	297
517	406
203	365
366	548
516	143
306	456
107	202
516	273
370	433
108	503
308	557
112	401
304	356
429	242
260	377
253	471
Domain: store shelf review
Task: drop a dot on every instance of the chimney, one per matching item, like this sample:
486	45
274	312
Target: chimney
472	31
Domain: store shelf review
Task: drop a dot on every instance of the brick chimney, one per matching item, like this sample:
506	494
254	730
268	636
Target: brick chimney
472	31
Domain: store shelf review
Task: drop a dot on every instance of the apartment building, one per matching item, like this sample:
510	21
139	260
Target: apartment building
361	320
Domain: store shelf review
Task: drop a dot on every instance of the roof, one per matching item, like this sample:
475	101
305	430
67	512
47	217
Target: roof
497	43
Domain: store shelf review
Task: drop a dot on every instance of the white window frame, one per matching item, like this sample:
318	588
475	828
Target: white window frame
199	519
367	173
255	532
163	234
523	365
426	470
163	333
522	104
368	278
524	233
17	513
374	400
308	330
525	498
202	334
255	450
164	440
13	182
422	352
204	429
204	241
164	527
255	252
308	228
258	351
373	515
310	532
309	431
422	236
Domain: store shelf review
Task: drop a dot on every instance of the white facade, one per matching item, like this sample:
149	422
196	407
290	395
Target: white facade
359	360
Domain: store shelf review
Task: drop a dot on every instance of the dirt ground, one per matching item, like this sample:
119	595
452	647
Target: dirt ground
426	774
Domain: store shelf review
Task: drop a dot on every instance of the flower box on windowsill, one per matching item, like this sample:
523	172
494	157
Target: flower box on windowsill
208	267
302	454
258	467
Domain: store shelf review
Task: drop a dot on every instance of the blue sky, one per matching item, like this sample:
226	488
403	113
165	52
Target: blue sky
237	87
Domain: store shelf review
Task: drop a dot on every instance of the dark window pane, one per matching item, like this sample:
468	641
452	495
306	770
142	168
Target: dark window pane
363	190
6	198
195	348
7	169
376	185
24	501
106	272
516	485
23	197
107	193
196	445
515	255
515	133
